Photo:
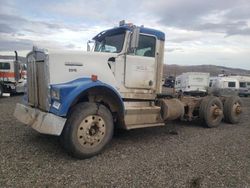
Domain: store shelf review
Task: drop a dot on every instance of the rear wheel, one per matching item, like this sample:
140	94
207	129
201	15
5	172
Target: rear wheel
211	111
233	109
88	130
203	105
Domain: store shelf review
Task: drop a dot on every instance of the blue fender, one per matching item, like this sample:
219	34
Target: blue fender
71	91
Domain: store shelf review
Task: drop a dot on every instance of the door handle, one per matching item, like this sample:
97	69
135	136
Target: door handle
111	59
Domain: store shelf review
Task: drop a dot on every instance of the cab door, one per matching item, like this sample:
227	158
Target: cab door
140	69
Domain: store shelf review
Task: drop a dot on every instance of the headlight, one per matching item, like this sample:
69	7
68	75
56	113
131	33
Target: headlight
55	94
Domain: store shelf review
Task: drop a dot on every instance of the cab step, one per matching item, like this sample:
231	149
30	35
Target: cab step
142	114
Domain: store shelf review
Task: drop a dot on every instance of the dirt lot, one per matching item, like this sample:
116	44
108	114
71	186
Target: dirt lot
178	155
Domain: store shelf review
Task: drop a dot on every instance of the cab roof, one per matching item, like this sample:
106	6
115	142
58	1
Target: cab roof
159	35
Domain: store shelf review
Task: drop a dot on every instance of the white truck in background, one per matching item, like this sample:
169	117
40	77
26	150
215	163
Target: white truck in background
13	76
83	96
244	85
223	84
192	83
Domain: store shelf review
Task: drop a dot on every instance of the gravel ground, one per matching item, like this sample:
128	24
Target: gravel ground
178	155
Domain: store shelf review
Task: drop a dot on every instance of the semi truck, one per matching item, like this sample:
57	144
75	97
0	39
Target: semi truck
192	83
12	76
83	96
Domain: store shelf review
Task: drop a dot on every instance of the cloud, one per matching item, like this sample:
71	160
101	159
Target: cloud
239	12
182	39
12	19
227	27
4	28
11	45
214	16
17	32
95	11
195	29
71	46
237	31
173	49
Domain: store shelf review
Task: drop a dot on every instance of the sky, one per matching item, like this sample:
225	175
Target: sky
197	31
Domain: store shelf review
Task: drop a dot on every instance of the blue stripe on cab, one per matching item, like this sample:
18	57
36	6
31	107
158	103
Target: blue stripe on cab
159	34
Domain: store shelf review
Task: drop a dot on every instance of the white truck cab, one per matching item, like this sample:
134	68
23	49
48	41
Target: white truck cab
83	96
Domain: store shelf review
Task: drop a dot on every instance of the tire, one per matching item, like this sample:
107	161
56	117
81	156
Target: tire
88	130
211	111
1	91
203	105
232	109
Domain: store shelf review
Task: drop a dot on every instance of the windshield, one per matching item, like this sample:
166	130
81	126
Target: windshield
112	44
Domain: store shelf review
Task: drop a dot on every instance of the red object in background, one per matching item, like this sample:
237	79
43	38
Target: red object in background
7	74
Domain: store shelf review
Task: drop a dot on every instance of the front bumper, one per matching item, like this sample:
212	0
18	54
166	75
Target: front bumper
42	122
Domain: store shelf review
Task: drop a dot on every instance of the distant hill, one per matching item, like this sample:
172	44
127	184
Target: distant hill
172	70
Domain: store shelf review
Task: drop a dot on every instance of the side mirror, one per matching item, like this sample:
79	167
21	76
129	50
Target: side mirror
134	42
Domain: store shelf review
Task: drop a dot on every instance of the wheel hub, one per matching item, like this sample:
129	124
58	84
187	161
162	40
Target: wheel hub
91	131
217	112
238	109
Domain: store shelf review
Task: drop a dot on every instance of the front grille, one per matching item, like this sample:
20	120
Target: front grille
38	79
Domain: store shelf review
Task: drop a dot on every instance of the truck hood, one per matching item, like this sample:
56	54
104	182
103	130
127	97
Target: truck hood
65	66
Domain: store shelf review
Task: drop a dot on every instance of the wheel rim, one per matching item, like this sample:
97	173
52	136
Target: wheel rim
215	112
237	109
91	131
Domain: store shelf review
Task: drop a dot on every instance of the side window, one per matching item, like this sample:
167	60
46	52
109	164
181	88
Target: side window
146	46
231	84
243	84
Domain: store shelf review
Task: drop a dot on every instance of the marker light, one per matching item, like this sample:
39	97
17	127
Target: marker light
94	78
55	94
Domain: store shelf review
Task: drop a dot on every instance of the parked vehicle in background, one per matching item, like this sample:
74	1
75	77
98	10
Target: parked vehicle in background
223	84
244	85
169	82
13	75
192	83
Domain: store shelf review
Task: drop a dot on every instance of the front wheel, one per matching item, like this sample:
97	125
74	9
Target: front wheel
88	130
